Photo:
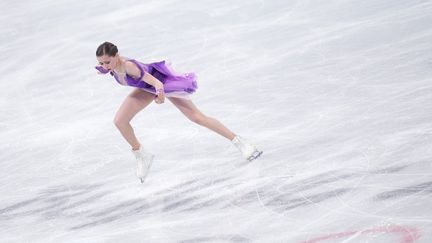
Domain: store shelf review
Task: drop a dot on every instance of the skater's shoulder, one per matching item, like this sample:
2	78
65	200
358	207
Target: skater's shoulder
132	68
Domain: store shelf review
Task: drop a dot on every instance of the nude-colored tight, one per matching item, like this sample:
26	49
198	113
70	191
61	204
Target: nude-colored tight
139	99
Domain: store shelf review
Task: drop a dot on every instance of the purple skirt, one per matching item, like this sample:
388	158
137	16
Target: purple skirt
175	84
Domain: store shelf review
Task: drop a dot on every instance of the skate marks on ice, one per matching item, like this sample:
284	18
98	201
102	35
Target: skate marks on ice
51	201
93	204
73	202
284	194
220	238
399	234
418	189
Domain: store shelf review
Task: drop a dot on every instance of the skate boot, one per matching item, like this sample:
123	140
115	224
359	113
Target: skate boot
144	161
249	151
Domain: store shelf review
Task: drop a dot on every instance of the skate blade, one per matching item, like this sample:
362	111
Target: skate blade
148	170
142	179
255	155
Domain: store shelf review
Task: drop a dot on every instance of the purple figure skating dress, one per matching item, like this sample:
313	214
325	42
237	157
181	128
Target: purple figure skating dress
175	84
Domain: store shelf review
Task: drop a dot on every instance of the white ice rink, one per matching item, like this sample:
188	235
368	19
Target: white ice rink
337	93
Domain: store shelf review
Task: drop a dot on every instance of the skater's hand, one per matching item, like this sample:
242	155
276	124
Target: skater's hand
160	96
101	70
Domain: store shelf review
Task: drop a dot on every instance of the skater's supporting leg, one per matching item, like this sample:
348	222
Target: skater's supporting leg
195	115
134	102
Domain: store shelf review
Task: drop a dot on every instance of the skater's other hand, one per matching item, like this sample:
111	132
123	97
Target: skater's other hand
160	96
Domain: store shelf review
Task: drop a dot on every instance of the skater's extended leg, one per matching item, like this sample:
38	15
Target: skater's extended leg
134	102
195	115
249	152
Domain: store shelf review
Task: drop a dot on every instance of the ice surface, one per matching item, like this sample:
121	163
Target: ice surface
338	94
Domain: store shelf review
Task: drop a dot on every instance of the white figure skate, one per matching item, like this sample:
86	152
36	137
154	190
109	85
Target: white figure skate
249	151
144	162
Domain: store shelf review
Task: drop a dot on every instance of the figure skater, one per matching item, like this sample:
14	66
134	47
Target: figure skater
155	81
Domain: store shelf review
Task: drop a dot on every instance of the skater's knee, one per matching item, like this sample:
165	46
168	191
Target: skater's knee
120	123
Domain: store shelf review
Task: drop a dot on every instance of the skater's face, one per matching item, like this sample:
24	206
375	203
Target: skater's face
108	62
